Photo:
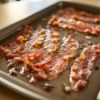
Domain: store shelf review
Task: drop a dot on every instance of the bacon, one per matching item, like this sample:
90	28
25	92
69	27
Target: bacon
71	12
35	41
50	46
81	69
29	51
59	62
32	51
75	25
10	49
21	50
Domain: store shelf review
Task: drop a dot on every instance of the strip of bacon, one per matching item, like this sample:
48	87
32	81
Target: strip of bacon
35	41
29	49
45	53
34	53
81	69
74	25
50	46
71	12
59	62
12	48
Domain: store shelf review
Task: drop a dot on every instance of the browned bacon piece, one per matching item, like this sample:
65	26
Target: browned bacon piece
29	49
35	42
13	48
45	53
59	62
81	69
74	25
71	12
50	46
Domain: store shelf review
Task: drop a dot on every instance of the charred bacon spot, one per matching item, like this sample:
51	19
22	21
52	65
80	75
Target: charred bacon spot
96	68
48	87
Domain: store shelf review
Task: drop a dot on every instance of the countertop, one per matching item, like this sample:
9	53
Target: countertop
11	13
15	11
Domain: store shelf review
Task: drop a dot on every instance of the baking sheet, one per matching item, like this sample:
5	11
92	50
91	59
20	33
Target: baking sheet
20	83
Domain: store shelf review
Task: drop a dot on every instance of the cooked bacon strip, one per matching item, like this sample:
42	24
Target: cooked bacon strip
33	52
71	12
29	49
75	25
81	69
59	62
50	46
13	48
45	53
35	41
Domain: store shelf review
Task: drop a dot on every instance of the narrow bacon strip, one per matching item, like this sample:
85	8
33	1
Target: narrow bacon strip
50	46
59	62
81	69
35	42
75	25
71	12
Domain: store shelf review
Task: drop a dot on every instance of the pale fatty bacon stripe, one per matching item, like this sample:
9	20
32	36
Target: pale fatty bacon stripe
59	62
74	25
71	12
81	69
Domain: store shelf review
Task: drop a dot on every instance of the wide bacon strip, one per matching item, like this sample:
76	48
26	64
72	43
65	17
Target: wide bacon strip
81	69
13	48
74	25
71	12
28	50
59	62
48	49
